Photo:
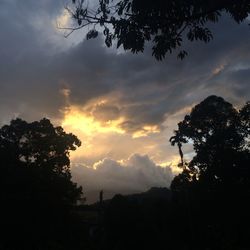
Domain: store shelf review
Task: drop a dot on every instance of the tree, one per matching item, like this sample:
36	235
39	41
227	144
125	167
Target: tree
215	185
36	189
132	23
219	134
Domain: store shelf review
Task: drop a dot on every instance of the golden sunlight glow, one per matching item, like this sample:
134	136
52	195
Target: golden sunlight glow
95	135
173	164
78	120
98	124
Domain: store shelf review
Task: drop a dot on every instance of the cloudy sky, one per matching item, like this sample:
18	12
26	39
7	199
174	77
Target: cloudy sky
123	107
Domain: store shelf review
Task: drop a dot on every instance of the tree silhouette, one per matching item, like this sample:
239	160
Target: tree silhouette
215	184
165	23
217	131
36	190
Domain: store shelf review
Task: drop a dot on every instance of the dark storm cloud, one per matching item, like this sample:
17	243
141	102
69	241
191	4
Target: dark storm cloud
24	59
33	71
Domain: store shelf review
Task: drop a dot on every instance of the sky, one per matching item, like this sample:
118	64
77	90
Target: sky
123	107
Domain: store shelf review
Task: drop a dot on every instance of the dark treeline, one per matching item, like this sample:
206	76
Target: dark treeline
206	207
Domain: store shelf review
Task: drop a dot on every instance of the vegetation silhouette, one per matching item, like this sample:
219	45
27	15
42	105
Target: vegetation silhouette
214	186
36	190
206	207
166	24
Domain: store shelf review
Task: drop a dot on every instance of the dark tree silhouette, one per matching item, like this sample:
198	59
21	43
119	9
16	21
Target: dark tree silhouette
36	189
218	133
215	184
133	22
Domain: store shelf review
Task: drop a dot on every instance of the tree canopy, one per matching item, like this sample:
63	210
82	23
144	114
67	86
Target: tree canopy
220	137
36	189
215	185
132	23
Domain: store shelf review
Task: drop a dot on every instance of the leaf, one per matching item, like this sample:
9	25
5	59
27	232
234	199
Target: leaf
108	41
182	54
119	43
106	31
79	22
92	34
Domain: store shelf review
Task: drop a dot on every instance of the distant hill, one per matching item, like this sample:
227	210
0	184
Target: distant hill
154	194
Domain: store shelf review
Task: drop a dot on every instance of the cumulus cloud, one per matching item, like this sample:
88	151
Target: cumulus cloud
137	174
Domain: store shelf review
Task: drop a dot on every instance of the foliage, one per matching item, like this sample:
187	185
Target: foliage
220	137
214	186
165	23
36	190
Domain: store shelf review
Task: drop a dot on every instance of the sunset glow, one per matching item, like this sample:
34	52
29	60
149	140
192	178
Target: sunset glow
78	120
102	138
124	122
123	107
